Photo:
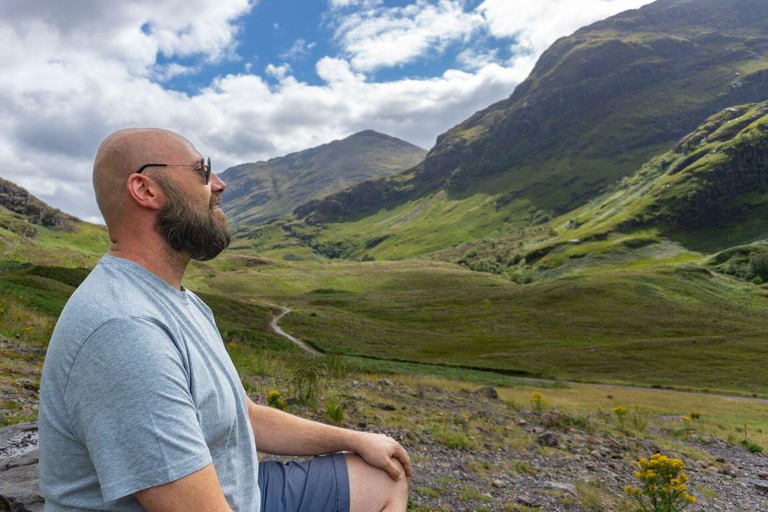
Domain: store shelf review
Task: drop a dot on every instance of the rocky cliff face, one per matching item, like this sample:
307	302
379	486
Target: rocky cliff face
597	105
264	190
18	200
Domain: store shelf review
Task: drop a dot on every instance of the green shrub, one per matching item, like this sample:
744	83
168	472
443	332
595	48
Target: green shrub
759	265
334	411
306	383
522	277
326	291
454	438
639	419
485	265
752	447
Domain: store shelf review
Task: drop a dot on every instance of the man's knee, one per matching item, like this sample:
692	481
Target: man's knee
372	488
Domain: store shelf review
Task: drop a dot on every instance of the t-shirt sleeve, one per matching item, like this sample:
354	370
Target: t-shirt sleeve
129	400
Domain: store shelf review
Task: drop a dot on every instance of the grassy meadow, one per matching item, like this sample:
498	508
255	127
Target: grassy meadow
675	325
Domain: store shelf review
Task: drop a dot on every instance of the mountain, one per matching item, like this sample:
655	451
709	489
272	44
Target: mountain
264	190
709	192
33	232
597	106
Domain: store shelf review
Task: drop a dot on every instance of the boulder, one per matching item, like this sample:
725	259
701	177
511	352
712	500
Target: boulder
569	488
20	489
488	391
19	481
547	439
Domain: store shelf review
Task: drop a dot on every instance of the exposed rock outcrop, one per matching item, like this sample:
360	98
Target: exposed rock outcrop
19	481
20	201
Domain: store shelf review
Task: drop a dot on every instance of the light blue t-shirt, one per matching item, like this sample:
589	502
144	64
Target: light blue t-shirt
138	390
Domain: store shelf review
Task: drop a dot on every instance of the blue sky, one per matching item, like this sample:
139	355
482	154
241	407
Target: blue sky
299	32
248	80
270	31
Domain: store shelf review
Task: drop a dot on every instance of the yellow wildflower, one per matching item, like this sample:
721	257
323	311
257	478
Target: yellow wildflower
662	481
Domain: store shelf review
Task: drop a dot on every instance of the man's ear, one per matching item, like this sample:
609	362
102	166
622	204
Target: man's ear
145	191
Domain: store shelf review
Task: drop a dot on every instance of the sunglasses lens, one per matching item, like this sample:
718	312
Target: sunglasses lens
208	170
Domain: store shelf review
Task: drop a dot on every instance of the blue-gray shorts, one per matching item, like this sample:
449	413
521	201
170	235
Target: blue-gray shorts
320	484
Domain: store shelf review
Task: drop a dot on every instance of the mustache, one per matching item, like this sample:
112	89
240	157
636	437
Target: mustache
214	201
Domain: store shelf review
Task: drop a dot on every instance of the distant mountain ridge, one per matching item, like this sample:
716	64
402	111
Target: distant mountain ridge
263	190
597	106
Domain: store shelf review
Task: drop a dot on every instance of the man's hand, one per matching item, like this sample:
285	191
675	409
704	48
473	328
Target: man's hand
280	433
383	452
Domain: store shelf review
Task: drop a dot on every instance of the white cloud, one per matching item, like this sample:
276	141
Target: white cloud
337	70
168	71
472	59
375	36
341	4
299	50
279	72
536	25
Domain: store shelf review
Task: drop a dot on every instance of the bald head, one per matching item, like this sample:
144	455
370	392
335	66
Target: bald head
122	154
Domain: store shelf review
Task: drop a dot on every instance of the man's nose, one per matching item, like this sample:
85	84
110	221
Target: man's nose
217	185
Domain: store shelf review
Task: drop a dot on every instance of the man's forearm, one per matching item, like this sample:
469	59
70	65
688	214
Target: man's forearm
280	433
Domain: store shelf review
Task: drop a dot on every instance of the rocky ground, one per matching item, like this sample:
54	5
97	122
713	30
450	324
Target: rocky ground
472	451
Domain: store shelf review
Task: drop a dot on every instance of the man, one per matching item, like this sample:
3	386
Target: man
141	407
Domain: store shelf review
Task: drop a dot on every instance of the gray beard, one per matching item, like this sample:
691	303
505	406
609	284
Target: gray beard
203	235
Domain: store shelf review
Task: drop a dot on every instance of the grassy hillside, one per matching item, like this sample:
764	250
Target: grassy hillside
263	190
31	232
708	194
598	105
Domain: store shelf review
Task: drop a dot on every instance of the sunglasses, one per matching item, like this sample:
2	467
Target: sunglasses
201	166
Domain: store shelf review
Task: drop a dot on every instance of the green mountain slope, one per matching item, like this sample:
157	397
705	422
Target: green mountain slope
709	193
263	190
598	105
31	232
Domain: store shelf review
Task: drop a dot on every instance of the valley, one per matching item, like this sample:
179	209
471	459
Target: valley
599	239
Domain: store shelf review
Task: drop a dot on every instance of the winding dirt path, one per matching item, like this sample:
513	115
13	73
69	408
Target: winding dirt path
278	330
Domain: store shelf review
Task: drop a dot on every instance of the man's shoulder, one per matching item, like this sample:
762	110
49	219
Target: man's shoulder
107	298
105	294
